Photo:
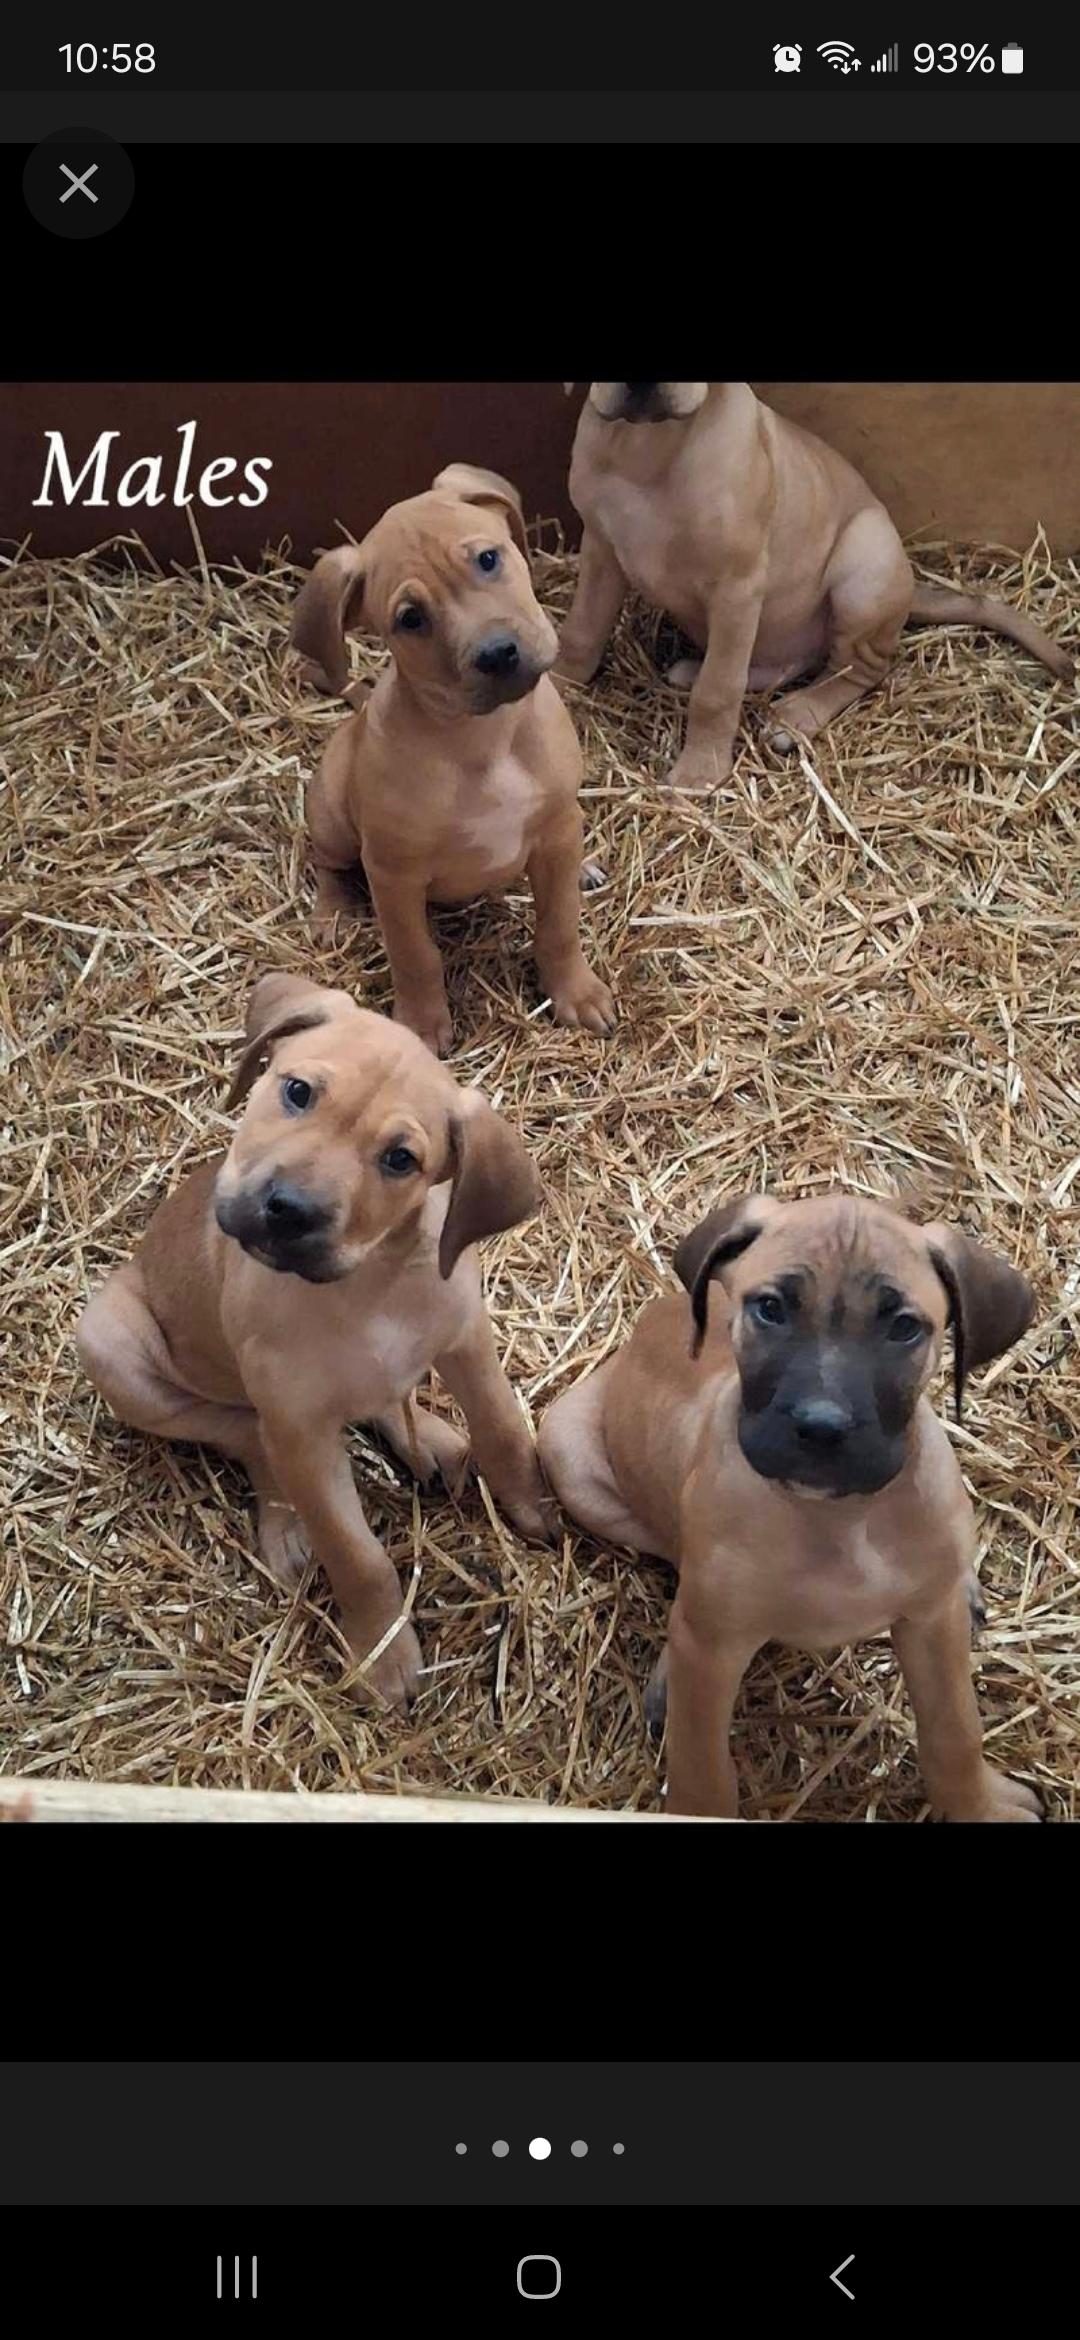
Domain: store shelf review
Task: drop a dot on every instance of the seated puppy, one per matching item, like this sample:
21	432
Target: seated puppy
461	770
311	1279
772	1440
764	546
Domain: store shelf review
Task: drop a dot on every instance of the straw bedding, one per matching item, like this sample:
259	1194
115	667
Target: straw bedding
860	969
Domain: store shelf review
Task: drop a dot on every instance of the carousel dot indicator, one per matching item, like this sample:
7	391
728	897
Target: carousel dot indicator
461	2148
540	2149
500	2149
579	2149
618	2148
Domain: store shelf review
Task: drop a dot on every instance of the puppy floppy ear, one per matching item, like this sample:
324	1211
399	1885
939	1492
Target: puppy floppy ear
485	488
990	1302
279	1005
720	1237
331	603
495	1185
279	994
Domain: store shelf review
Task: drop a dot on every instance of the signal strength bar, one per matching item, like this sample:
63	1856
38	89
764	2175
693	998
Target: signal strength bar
889	60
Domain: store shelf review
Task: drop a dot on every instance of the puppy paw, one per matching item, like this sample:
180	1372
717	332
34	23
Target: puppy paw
441	1453
699	770
332	926
683	675
574	669
995	1797
394	1678
794	723
590	876
534	1513
283	1545
656	1698
432	1025
584	1005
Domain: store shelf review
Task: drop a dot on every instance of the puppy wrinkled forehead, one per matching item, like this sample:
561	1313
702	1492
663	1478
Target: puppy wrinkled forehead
362	1057
424	540
843	1247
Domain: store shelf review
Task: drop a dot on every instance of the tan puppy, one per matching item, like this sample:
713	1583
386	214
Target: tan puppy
311	1279
763	545
772	1440
461	770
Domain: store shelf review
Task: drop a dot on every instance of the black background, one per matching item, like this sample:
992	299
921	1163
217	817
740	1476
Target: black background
529	263
498	1942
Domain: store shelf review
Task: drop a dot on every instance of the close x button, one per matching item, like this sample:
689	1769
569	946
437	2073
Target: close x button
78	183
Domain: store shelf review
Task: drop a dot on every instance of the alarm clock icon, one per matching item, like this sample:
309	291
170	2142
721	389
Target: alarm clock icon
788	60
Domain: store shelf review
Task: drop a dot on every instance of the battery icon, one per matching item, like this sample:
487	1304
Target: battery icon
1012	58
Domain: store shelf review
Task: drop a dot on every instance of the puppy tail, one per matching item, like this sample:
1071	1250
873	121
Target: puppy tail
939	605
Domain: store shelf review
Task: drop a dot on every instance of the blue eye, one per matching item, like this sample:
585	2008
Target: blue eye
767	1308
297	1095
906	1328
488	561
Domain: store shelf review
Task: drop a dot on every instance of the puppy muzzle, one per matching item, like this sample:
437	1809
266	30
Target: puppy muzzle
819	1448
638	402
503	669
283	1227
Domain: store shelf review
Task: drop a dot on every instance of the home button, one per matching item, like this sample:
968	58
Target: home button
539	2277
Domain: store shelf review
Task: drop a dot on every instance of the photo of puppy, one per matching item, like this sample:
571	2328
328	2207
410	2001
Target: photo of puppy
311	1280
461	771
774	1442
764	546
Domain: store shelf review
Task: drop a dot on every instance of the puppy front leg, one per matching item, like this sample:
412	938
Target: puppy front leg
502	1448
577	995
934	1655
415	964
313	1471
335	846
601	591
717	696
704	1671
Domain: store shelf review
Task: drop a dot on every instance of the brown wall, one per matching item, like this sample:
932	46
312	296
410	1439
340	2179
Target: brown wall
341	452
963	460
985	461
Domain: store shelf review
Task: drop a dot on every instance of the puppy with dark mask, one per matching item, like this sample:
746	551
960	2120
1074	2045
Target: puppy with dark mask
771	1437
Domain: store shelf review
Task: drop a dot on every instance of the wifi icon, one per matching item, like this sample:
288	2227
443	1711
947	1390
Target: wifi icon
839	54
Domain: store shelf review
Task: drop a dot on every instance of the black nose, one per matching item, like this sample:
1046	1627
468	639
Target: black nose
640	389
287	1213
499	655
821	1422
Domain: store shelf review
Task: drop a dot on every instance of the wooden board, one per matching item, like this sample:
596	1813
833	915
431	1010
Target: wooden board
77	1799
